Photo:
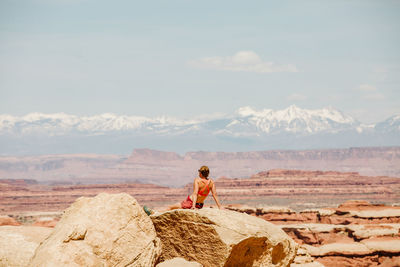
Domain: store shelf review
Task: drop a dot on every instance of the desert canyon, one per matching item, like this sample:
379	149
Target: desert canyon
311	217
174	170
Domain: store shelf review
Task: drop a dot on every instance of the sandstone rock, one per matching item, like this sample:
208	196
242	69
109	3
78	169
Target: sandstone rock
307	264
107	230
215	237
374	230
18	244
332	237
390	262
179	262
384	244
242	208
364	209
315	233
312	217
6	220
366	261
382	213
335	219
273	209
321	212
306	236
338	249
303	258
314	227
284	217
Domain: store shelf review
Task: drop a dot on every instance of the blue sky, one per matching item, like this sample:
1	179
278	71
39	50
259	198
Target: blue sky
189	58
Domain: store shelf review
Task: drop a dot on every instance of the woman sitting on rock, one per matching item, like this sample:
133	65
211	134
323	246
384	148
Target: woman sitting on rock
202	186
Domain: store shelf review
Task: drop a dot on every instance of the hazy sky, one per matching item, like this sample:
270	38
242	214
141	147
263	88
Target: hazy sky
188	58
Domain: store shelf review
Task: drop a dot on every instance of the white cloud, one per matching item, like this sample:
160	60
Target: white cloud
367	88
247	61
296	97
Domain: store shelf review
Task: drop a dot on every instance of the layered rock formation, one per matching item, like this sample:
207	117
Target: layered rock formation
356	233
108	230
317	187
222	238
294	188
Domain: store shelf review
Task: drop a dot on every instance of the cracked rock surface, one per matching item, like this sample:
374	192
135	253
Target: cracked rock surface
18	244
106	230
215	237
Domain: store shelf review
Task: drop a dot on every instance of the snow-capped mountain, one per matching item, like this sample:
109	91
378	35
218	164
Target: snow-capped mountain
246	121
61	123
291	120
390	125
246	129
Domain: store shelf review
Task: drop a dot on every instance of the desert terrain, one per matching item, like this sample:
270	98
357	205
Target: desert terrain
336	218
295	189
174	170
312	207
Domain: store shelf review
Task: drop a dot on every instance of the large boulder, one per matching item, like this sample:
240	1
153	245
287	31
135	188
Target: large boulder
215	237
18	244
107	230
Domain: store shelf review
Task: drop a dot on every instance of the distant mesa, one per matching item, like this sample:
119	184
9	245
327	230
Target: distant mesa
302	173
297	189
144	154
18	181
167	168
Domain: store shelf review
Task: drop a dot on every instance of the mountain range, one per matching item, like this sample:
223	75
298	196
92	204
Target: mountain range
246	129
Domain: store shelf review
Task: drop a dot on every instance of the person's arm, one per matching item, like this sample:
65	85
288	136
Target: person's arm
214	194
194	195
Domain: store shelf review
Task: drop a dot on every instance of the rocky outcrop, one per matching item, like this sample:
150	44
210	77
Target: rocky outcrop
356	233
215	237
113	230
367	261
295	188
18	244
351	212
107	230
304	259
